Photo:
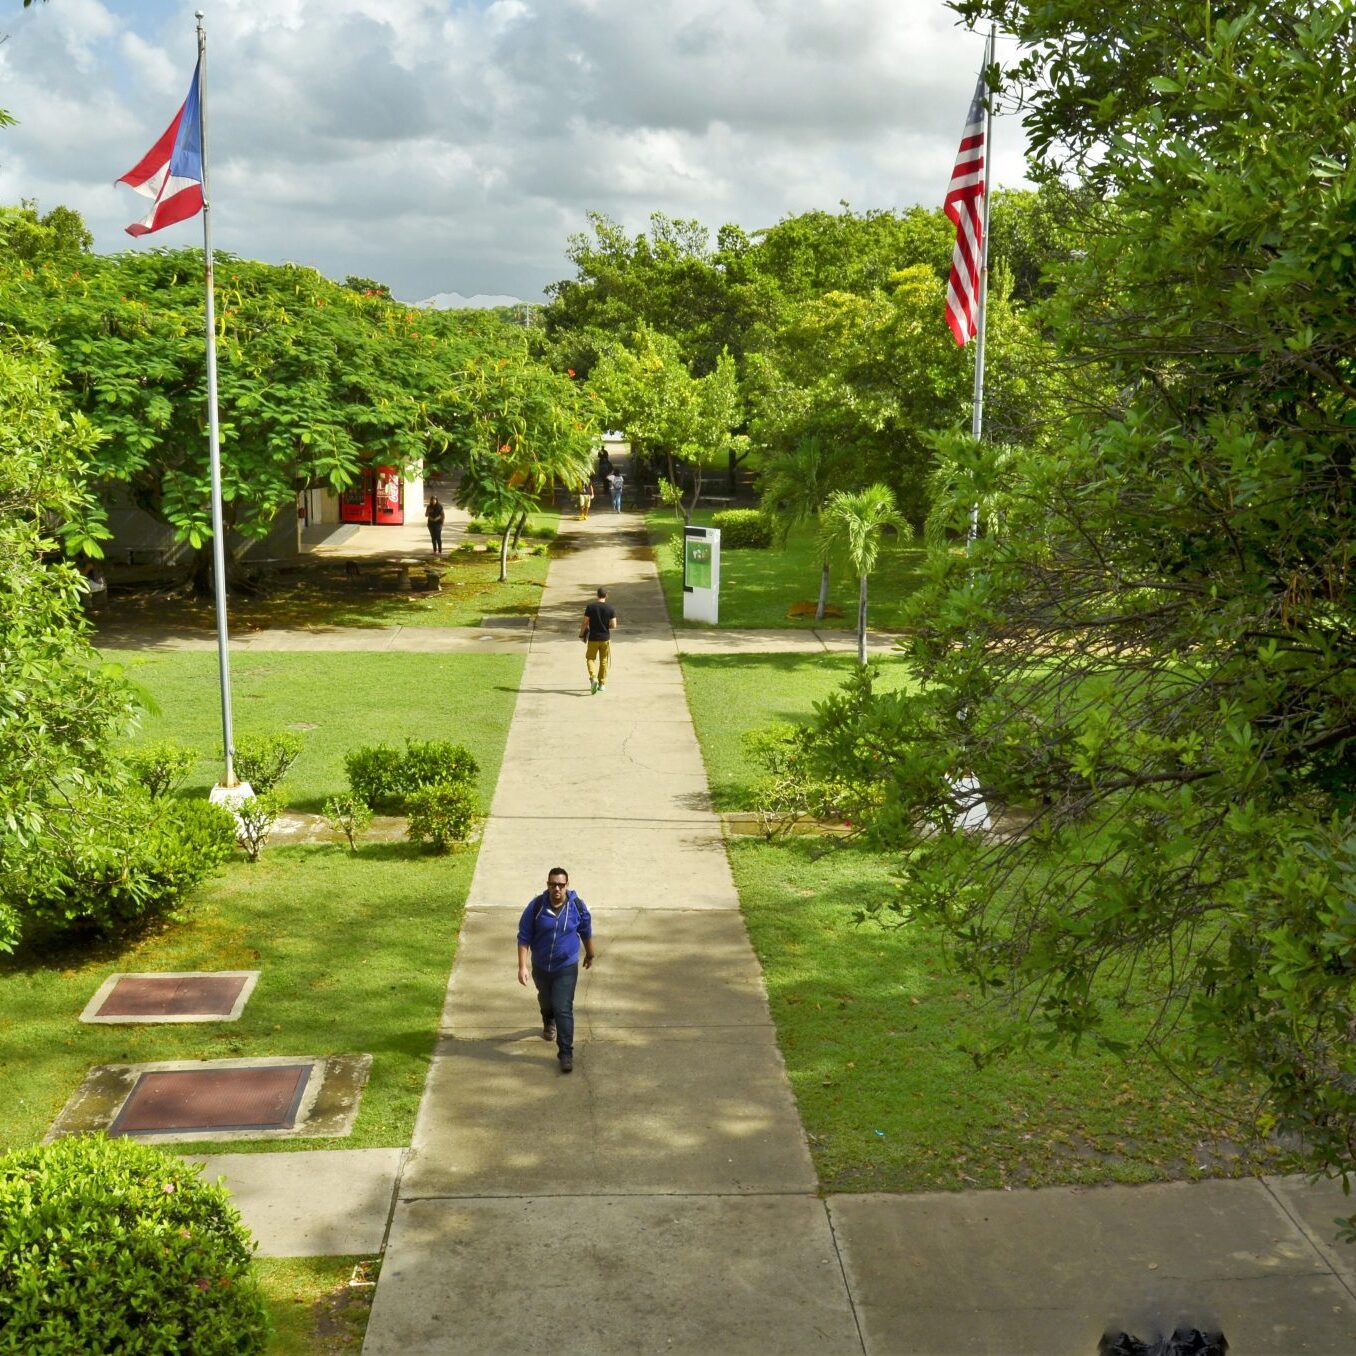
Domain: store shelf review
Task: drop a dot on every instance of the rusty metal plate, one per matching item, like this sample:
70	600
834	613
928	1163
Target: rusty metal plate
173	995
183	996
170	1102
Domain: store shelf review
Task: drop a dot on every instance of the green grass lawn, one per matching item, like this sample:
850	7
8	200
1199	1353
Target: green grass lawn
731	694
337	702
758	588
313	1309
355	951
873	1023
323	592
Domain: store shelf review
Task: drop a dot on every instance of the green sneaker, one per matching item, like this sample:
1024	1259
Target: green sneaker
593	687
602	687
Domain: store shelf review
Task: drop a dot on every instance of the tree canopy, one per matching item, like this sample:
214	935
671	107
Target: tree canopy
1149	650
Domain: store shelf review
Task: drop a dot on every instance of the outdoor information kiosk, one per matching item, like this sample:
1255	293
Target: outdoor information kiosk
701	574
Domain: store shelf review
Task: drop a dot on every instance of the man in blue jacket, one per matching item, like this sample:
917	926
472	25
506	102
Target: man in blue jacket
549	933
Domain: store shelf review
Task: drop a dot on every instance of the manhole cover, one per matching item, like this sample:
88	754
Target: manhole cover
191	997
507	623
213	1099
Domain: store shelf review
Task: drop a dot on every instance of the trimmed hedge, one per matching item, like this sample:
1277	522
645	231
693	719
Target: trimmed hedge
743	529
382	776
109	1245
443	815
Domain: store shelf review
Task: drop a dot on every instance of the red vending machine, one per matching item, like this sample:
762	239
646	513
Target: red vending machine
390	496
355	503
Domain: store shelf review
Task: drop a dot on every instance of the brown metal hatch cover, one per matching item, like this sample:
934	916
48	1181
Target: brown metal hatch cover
174	1101
173	995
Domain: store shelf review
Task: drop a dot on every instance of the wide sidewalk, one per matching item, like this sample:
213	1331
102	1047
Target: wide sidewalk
662	1198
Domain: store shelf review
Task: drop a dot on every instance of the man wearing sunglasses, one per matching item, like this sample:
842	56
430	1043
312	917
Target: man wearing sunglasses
550	932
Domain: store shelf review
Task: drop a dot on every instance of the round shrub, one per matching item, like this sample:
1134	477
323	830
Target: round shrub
443	816
264	760
743	529
162	767
124	858
109	1245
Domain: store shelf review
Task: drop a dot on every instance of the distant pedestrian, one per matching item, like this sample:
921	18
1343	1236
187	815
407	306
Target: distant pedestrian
433	512
585	499
604	465
600	621
615	483
550	932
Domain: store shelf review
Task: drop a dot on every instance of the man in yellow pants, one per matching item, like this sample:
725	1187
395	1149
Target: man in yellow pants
600	620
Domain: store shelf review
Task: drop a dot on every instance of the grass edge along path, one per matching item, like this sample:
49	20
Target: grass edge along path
872	1023
354	950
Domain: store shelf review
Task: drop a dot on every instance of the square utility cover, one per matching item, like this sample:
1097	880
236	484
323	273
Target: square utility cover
173	1101
192	996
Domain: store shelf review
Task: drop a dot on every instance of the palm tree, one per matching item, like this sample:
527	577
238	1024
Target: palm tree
795	487
852	523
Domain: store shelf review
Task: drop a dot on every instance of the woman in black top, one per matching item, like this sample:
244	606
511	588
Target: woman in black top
433	511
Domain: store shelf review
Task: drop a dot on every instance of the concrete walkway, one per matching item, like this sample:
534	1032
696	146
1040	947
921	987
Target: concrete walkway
468	639
662	1198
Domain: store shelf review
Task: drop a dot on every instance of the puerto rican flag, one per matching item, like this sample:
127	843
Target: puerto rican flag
171	171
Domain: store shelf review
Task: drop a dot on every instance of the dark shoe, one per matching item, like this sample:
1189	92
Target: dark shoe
566	1063
548	1031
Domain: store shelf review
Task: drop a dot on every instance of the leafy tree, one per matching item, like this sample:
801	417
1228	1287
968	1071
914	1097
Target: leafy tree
794	488
647	390
869	376
853	524
315	380
1150	648
530	428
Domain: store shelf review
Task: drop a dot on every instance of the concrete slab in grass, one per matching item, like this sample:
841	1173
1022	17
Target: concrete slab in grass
613	1275
712	1113
327	1104
655	968
318	1203
179	996
1045	1273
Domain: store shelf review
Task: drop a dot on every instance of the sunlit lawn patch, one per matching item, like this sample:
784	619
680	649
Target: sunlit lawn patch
337	702
875	1027
760	588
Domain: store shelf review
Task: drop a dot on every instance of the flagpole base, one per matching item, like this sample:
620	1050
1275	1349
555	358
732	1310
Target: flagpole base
231	797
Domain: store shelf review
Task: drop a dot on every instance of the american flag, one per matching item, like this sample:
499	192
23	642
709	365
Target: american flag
965	206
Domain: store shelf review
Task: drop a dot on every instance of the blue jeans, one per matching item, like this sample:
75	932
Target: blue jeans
555	997
616	501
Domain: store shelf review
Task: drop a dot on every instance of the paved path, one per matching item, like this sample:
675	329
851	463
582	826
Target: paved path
661	1198
471	639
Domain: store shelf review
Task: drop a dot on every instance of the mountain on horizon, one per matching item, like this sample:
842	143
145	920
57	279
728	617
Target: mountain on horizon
454	301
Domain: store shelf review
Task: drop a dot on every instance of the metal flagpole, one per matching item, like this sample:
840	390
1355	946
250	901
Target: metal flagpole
977	404
213	428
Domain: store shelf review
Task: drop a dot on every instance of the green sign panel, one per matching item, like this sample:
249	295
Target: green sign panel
698	571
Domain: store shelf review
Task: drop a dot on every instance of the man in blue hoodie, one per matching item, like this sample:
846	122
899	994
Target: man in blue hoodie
549	934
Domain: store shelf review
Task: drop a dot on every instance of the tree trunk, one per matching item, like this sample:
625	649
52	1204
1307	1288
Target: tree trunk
823	602
202	571
861	622
503	552
690	509
518	531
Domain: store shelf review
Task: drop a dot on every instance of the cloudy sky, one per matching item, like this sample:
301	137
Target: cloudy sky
454	145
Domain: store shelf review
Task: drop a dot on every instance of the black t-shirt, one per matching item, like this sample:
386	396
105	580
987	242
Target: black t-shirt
600	617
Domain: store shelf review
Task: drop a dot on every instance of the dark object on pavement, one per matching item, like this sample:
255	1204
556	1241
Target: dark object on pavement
1183	1342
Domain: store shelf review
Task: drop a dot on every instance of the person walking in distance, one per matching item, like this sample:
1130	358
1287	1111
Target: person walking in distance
600	621
615	482
550	933
433	511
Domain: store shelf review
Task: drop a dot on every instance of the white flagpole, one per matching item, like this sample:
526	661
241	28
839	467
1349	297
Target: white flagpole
213	428
977	403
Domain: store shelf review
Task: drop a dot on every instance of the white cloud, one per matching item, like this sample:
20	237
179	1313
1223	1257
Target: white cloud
453	144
